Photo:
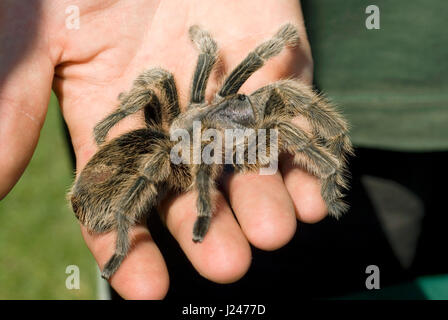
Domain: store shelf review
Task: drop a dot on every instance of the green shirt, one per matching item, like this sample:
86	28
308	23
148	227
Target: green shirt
391	83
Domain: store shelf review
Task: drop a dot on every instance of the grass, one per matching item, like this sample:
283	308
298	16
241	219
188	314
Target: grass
39	234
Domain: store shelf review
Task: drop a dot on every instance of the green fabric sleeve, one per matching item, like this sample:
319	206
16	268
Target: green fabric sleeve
391	83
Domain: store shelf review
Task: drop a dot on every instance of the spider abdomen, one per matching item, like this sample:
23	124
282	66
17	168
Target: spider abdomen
109	175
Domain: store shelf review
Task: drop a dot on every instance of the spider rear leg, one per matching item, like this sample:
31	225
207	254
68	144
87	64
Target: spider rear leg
142	191
130	104
287	35
206	60
164	82
162	108
141	196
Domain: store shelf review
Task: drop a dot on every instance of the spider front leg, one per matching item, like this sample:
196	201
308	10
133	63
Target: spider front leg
315	159
291	98
287	35
158	109
206	60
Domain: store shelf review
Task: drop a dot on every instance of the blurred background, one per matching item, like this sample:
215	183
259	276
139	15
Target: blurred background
39	234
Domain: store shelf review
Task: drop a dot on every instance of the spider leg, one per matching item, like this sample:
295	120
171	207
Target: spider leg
142	188
206	60
159	109
164	82
140	98
204	175
204	182
290	98
142	195
315	159
286	35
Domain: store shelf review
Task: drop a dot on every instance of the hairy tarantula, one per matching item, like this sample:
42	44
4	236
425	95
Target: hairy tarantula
132	173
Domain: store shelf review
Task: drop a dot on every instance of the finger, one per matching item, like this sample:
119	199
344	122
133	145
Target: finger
224	255
26	73
304	190
263	208
142	274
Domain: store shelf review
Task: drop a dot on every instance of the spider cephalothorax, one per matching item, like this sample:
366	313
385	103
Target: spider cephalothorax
131	174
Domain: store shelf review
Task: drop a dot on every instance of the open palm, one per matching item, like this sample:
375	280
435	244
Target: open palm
88	67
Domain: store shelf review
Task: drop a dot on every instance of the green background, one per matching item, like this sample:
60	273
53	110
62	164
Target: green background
39	234
391	83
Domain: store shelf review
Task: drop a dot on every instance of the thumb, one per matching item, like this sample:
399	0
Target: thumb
25	87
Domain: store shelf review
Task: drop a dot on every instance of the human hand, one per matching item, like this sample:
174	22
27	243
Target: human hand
116	41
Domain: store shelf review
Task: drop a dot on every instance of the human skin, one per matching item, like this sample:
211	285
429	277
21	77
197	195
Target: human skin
89	67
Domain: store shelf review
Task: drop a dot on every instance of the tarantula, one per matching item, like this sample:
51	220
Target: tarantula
132	173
